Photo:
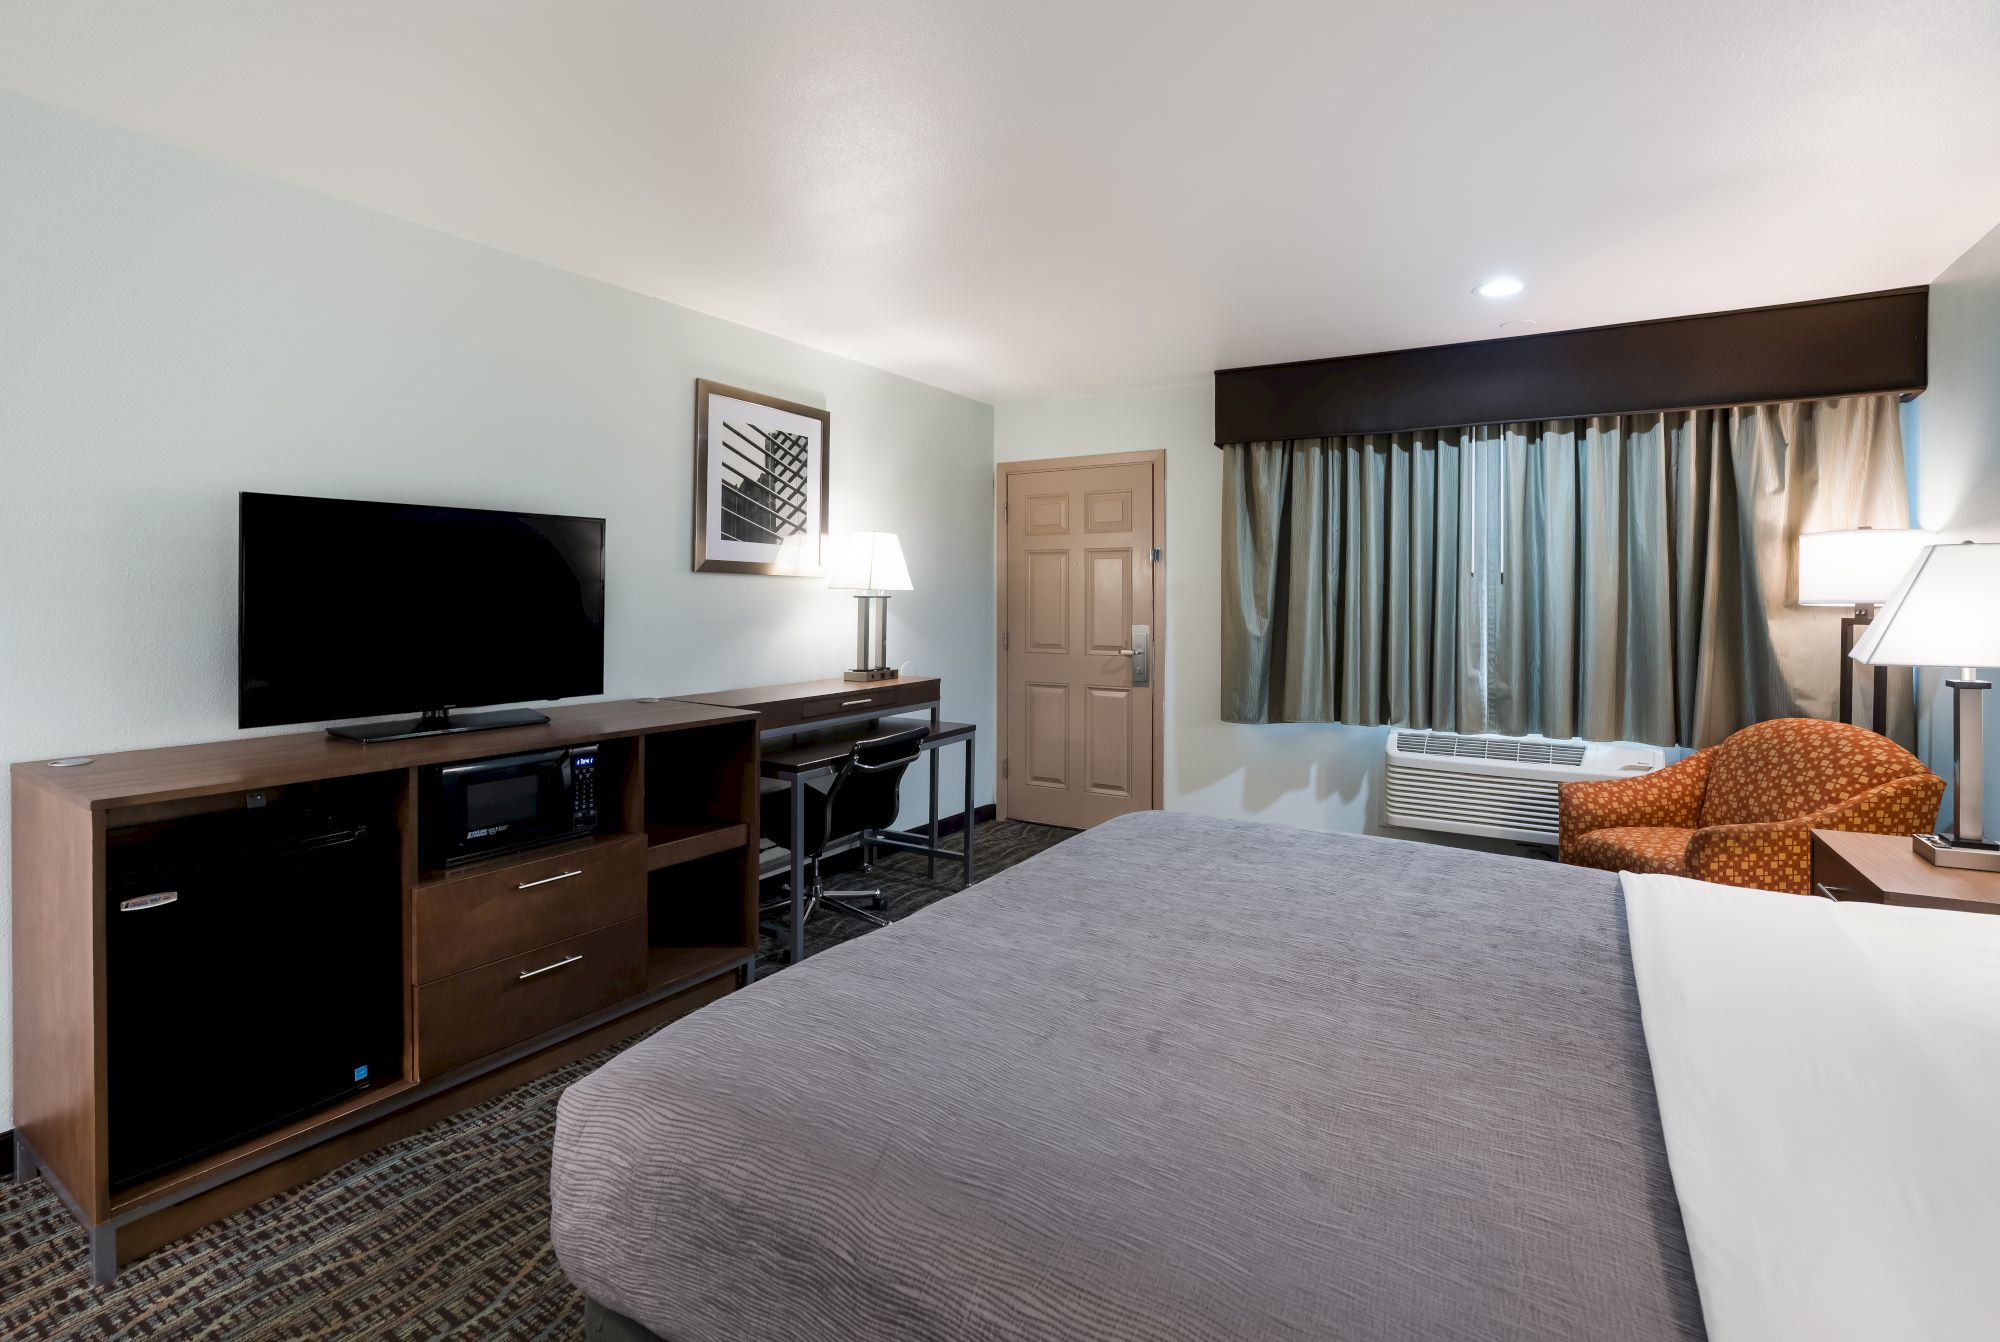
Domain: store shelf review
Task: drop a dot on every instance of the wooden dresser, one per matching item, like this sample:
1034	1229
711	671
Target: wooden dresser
511	966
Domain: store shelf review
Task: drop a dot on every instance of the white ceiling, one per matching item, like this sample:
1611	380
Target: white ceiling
1021	198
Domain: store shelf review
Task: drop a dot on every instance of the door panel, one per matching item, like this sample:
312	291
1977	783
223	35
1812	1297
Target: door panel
1079	747
1107	602
1047	623
1108	737
1048	515
1110	510
1048	735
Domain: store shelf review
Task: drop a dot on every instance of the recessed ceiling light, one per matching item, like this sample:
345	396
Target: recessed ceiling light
1501	286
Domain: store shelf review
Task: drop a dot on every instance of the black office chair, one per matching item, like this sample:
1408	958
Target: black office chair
865	795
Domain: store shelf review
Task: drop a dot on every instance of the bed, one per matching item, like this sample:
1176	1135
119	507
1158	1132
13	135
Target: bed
1175	1078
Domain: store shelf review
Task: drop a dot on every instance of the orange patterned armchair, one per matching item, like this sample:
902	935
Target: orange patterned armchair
1742	813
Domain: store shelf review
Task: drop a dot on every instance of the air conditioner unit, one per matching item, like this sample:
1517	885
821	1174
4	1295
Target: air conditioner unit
1503	787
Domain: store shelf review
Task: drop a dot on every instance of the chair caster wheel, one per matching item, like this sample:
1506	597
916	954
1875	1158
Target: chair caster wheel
878	902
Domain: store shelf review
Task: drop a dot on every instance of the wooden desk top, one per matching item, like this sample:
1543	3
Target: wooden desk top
1888	864
764	696
133	777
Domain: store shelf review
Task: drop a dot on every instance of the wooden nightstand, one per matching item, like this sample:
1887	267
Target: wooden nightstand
1881	869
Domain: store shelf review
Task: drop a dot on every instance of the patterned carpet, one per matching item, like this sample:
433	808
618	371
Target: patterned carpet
443	1234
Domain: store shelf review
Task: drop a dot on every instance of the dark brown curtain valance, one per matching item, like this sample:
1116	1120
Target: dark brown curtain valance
1869	343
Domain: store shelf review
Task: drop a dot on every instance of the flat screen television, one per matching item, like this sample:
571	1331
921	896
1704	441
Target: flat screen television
350	609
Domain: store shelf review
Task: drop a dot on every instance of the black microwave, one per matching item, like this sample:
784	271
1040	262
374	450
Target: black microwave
484	807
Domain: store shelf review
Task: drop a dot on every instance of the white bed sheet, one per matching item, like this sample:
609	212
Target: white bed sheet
1829	1083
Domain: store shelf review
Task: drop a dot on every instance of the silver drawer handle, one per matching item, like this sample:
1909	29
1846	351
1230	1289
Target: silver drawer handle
548	880
530	973
852	703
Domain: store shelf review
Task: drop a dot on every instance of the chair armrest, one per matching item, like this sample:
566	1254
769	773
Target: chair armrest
1777	854
1906	805
1669	796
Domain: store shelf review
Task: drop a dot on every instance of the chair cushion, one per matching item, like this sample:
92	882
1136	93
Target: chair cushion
1792	767
1650	848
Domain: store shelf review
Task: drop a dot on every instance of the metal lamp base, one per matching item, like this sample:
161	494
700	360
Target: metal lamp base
1966	846
871	637
1940	851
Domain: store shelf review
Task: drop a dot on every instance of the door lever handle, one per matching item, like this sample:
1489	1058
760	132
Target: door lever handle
1128	652
549	880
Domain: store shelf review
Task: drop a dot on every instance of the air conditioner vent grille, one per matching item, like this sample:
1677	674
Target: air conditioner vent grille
1567	754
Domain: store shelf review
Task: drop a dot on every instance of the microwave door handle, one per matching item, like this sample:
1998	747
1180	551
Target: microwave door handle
490	769
510	765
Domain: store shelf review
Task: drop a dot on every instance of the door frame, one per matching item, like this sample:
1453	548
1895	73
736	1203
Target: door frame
1002	472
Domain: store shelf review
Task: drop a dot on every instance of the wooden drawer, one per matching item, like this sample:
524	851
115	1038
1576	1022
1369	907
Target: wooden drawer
860	700
470	1015
866	698
1833	877
492	912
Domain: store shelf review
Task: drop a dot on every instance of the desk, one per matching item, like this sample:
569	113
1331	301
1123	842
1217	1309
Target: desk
814	709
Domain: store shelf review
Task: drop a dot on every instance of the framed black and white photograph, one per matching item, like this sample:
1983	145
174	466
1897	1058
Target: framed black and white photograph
759	483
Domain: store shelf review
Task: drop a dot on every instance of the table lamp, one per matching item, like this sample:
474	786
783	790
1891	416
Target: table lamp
1858	568
1947	613
871	566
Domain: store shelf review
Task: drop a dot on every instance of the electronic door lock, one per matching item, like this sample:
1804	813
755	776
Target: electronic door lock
1141	653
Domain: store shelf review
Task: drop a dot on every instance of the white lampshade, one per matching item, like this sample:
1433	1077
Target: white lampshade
1856	568
1946	613
871	561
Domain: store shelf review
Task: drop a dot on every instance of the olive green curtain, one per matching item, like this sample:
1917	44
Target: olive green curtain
1625	577
1342	599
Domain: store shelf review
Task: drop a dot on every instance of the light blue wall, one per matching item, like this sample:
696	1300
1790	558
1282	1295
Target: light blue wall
173	330
1958	466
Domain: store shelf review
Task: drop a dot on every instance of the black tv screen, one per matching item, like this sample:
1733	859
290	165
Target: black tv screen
351	610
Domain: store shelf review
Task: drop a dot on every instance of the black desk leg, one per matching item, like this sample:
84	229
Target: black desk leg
971	811
931	857
798	870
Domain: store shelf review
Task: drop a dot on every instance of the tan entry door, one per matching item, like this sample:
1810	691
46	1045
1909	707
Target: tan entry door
1079	652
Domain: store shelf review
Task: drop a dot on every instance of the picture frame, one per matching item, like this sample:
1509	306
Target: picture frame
760	483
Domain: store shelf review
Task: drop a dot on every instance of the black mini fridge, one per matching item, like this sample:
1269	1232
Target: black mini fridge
253	976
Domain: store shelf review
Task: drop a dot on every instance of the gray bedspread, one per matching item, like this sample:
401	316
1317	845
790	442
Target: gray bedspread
1175	1078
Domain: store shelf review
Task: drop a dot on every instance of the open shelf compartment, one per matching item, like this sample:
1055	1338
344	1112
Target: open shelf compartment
700	793
701	915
